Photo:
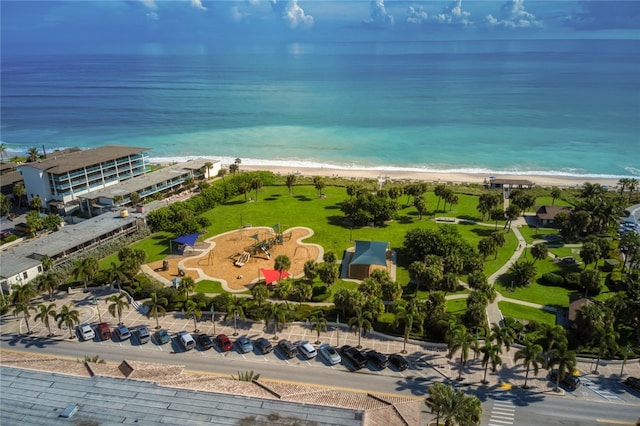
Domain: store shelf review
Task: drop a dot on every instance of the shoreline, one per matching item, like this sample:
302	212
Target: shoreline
432	176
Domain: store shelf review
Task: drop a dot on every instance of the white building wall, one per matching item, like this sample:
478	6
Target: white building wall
36	182
21	279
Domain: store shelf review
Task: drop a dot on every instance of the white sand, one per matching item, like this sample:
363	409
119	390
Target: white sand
444	177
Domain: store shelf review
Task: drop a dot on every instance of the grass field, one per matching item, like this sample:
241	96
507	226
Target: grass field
521	312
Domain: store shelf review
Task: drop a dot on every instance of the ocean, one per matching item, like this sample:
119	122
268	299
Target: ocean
550	107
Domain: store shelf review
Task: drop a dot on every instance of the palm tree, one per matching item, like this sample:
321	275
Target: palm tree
291	181
3	150
23	293
19	191
455	406
49	282
47	263
187	285
117	275
565	360
361	322
555	194
408	314
193	311
461	340
260	293
69	317
235	308
551	336
118	303
33	155
282	263
318	323
237	162
491	355
207	166
608	344
539	251
25	309
256	184
46	312
277	312
530	354
502	335
522	272
155	306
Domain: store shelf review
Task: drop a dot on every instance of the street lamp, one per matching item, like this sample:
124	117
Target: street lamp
95	302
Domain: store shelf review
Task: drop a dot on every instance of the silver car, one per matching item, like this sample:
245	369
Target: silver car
330	353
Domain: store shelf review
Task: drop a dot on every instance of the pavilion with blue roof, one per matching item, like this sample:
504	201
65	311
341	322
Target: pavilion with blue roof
368	256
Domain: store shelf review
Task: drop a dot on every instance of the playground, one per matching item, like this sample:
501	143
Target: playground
236	257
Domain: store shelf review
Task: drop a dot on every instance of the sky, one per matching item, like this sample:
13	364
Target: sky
84	25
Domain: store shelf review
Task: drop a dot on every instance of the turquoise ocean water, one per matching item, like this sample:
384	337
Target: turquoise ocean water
528	107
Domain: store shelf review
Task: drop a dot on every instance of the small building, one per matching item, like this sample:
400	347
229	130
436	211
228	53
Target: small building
576	302
367	257
502	183
547	214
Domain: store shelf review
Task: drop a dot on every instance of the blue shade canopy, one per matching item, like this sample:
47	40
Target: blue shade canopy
189	239
370	253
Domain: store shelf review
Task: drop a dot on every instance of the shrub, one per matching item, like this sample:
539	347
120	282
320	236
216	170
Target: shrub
9	239
614	280
610	265
552	279
573	279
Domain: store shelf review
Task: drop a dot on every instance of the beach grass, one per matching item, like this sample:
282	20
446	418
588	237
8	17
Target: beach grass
528	313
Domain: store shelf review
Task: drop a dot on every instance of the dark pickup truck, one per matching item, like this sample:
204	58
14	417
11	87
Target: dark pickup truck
357	359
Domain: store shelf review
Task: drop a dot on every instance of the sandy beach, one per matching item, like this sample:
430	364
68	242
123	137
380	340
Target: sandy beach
444	177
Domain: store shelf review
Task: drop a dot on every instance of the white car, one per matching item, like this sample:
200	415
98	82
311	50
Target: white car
330	354
86	332
307	349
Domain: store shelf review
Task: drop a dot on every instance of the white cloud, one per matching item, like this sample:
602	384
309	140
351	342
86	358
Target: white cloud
379	16
453	14
198	4
292	13
416	15
513	15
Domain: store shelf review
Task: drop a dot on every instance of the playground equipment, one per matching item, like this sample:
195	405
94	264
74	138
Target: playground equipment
242	259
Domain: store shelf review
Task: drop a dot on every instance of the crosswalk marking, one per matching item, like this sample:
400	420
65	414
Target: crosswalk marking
502	412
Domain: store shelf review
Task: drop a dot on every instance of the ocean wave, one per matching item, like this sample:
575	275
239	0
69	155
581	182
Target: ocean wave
297	164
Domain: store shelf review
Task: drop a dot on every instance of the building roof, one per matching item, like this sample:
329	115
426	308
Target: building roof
22	257
139	183
550	212
66	162
370	253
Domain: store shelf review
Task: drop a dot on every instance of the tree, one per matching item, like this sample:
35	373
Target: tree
421	206
502	335
511	213
590	253
52	222
531	355
68	317
291	181
329	273
522	272
590	281
260	293
47	263
318	323
207	167
19	191
539	251
155	306
24	308
5	205
45	314
118	304
193	311
461	341
236	308
361	322
34	222
22	293
246	376
49	282
564	360
491	355
454	406
487	202
85	269
3	151
277	312
551	336
555	194
236	163
134	197
487	246
187	285
33	155
607	344
281	263
407	314
310	269
319	184
35	203
256	184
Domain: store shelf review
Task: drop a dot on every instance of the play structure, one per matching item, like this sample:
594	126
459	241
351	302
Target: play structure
262	246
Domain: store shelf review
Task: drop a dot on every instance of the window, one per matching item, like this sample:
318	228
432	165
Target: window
39	268
25	275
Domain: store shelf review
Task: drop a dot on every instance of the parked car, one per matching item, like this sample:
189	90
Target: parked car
287	348
264	345
104	331
224	342
354	356
330	353
633	383
570	381
86	332
143	334
307	349
162	336
244	344
186	340
205	341
122	332
378	359
399	362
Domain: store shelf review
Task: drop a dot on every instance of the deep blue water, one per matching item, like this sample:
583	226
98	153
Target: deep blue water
556	107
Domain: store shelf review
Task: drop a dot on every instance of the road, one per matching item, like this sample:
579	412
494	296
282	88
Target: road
606	402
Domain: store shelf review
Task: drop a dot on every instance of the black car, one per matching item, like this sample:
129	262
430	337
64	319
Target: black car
204	341
376	358
355	357
287	348
263	345
399	362
570	381
633	383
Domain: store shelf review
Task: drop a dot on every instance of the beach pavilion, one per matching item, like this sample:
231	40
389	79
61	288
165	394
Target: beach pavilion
367	257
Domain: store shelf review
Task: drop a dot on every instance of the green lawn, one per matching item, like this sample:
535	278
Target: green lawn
208	286
521	312
155	246
456	306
